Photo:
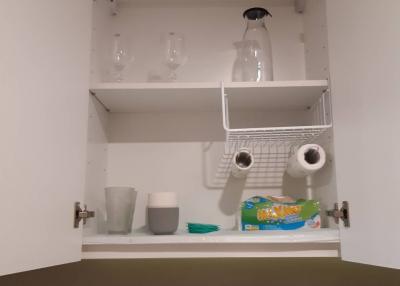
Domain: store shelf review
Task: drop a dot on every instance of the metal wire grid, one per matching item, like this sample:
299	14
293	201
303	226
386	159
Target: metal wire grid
271	147
320	122
271	155
269	166
321	110
278	137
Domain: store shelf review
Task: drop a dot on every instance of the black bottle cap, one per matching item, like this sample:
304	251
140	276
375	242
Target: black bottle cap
256	13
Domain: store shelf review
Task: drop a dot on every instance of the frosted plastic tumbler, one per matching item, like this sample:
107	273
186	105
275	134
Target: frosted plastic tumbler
120	206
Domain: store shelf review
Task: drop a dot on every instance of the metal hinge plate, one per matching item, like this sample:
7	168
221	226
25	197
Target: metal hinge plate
340	214
80	214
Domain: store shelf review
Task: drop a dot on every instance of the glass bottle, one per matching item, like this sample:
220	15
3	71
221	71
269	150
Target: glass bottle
257	31
247	65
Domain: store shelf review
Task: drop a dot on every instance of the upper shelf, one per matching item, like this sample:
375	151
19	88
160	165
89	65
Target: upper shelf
148	97
206	96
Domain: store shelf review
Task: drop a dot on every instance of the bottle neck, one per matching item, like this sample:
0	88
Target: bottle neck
254	24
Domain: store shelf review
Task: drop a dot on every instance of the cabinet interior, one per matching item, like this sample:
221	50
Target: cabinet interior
180	149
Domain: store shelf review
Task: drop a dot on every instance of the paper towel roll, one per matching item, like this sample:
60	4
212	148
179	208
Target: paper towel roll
242	162
306	160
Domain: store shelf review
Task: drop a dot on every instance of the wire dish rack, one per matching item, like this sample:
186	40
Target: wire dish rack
270	146
292	135
267	172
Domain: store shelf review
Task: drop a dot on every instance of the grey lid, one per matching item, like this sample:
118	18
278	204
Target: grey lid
256	13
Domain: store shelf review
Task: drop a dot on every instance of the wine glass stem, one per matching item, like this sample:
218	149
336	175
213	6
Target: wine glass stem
172	75
118	76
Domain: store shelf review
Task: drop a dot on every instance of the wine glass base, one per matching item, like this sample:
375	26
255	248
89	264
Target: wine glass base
172	77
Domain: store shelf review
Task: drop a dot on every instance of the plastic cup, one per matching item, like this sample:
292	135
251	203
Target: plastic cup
120	206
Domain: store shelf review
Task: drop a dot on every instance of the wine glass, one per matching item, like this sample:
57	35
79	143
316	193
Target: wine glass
120	57
174	55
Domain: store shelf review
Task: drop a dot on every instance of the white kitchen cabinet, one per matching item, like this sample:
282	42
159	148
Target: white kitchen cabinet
170	136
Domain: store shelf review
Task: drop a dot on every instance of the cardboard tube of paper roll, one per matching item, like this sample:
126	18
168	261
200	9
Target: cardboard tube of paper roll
306	160
242	162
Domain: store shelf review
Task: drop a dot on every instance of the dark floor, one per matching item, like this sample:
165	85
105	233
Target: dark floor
229	272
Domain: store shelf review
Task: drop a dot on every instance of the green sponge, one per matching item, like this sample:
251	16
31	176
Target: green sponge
201	228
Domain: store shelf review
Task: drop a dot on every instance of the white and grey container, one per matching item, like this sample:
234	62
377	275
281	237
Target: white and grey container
163	212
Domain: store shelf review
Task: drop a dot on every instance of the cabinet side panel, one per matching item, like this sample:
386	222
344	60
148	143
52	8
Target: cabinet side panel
101	40
316	40
44	81
96	165
365	69
323	183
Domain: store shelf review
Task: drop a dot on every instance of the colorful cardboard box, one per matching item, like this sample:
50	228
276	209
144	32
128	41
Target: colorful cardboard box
279	213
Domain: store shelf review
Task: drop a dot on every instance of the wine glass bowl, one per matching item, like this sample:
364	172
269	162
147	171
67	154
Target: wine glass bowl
174	53
120	57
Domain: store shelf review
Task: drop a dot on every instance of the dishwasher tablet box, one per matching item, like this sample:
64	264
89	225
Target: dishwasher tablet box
279	213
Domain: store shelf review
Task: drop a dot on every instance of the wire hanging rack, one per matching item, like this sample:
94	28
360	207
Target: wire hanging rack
271	146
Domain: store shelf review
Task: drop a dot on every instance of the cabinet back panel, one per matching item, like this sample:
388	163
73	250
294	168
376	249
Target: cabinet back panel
192	127
209	31
179	152
181	168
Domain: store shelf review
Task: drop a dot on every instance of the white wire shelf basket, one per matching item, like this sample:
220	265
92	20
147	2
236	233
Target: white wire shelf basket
270	146
270	163
289	136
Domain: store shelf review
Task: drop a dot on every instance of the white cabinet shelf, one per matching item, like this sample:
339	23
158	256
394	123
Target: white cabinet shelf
220	237
158	97
300	243
205	96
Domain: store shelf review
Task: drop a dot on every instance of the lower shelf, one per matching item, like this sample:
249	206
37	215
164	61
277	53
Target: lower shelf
304	243
219	237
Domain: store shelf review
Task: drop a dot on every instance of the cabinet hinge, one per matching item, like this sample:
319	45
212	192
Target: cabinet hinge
341	214
80	214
